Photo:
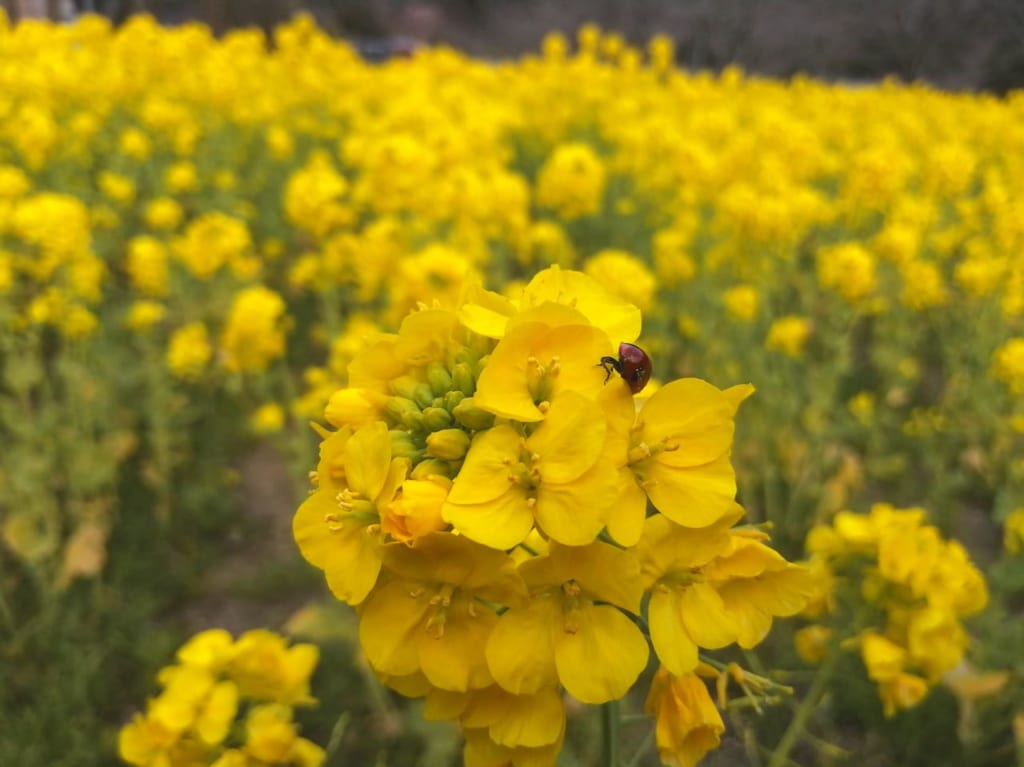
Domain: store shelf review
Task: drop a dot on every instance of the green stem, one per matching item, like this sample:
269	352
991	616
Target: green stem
610	734
641	752
793	733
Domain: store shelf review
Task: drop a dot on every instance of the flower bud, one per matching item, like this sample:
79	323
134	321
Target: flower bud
403	446
448	444
453	398
422	395
353	407
431	467
463	379
400	409
471	416
405	386
439	378
436	418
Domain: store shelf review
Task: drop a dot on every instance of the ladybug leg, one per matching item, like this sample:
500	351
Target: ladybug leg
610	365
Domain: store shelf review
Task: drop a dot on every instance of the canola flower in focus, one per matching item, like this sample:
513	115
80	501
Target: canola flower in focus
483	501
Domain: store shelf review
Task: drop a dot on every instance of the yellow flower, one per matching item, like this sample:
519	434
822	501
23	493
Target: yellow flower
268	419
117	187
432	615
572	181
313	196
334	526
253	334
146	742
143	315
572	631
417	509
789	335
741	302
531	721
671	261
923	286
210	650
134	143
560	476
679	455
849	268
271	738
903	691
212	241
265	668
687	723
623	274
189	351
1008	364
181	177
1013	532
548	352
812	643
481	751
685	612
547	244
489	313
163	213
146	264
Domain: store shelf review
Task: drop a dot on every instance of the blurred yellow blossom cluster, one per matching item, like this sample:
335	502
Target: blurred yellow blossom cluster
484	503
227	703
892	587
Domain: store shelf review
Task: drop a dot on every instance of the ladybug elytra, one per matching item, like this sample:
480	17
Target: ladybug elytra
633	364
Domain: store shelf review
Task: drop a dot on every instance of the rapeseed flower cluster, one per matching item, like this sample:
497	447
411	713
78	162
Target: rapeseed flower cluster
227	703
893	589
505	516
251	231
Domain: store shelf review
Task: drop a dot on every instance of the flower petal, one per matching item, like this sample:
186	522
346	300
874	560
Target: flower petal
673	646
500	523
454	659
484	473
705	617
368	459
694	416
389	626
520	651
574	513
692	497
570	439
601	657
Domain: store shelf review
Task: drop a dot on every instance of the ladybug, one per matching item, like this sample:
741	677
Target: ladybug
633	365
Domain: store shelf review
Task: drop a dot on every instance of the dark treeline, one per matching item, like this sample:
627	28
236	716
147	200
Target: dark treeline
957	44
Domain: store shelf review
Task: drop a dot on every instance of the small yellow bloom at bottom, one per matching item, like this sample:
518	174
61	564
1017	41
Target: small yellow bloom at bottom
189	351
788	335
902	692
1013	532
688	724
268	418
